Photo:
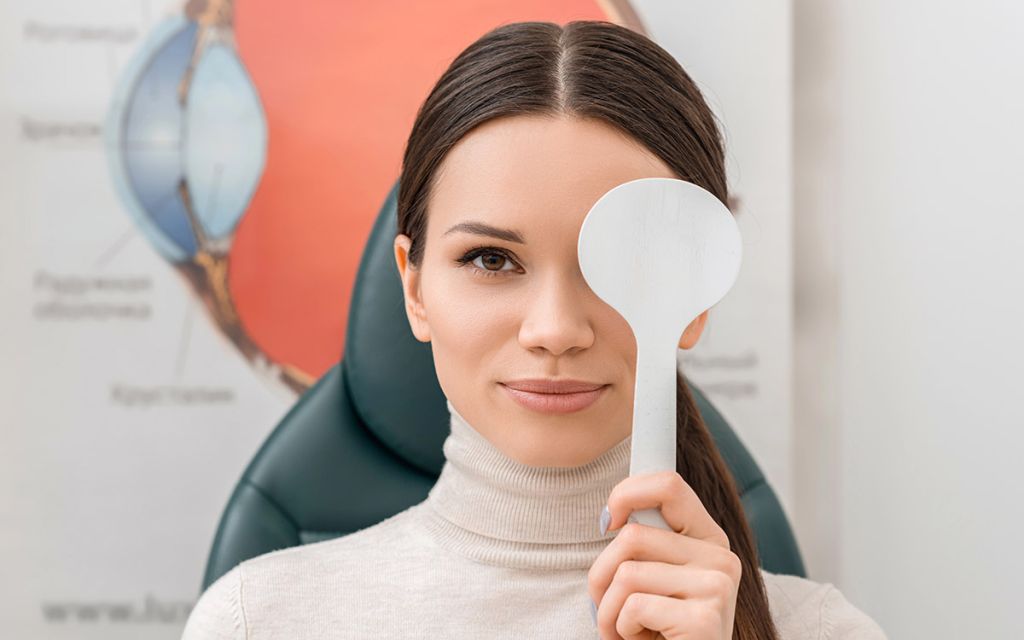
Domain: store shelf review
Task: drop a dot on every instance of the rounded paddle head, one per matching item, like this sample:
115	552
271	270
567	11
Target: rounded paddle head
660	251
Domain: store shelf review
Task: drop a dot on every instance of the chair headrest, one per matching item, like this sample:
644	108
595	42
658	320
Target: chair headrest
391	375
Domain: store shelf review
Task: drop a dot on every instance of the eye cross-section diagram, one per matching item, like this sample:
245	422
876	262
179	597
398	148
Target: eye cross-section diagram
187	142
255	145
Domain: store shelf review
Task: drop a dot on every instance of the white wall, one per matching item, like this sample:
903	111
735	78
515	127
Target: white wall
910	308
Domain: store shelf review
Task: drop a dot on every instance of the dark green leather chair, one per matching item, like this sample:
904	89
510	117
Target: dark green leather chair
346	457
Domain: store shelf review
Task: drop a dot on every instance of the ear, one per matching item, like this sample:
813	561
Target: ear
692	333
411	289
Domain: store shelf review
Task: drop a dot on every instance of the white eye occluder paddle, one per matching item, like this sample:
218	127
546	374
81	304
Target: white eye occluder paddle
660	251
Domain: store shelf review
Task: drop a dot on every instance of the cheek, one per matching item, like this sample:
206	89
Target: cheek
472	336
469	321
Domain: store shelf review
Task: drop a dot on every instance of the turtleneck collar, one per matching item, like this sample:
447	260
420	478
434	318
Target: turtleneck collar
493	509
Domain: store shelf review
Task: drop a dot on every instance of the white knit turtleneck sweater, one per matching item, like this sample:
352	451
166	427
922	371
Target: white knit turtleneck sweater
498	549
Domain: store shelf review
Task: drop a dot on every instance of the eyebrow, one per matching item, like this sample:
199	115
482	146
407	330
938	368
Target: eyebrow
483	229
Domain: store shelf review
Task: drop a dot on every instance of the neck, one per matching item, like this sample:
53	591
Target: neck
494	509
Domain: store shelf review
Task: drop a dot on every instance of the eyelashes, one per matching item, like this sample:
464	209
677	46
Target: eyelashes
467	261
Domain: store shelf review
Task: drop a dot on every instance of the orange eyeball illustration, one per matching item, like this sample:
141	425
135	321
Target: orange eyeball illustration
253	143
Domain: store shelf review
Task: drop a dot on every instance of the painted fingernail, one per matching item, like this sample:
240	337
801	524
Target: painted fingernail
593	612
606	519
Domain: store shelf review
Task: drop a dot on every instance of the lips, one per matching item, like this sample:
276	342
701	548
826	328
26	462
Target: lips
554	396
544	385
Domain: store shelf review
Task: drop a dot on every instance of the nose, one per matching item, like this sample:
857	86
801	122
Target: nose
557	317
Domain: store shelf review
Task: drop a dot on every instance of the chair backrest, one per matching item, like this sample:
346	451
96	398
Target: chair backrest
365	441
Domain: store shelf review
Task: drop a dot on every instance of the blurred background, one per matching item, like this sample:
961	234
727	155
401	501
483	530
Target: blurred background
186	188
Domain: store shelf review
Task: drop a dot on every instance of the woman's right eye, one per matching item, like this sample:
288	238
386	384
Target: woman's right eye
482	259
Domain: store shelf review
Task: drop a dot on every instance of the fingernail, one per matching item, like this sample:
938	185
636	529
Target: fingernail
606	519
593	612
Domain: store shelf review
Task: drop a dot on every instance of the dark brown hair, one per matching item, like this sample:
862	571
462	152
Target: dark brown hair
599	70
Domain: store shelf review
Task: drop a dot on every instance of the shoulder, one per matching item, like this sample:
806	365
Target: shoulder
293	563
226	609
803	608
218	613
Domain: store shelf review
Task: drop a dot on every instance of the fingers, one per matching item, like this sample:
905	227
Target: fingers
643	615
660	578
679	505
649	580
664	579
637	542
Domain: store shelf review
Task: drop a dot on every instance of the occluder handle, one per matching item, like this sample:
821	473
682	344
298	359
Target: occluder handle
650	517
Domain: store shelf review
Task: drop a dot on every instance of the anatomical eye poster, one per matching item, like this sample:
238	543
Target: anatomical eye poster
186	188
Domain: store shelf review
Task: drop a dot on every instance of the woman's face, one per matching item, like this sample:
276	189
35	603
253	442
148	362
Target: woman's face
500	295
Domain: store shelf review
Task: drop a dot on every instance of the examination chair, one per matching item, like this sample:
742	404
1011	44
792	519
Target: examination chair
364	442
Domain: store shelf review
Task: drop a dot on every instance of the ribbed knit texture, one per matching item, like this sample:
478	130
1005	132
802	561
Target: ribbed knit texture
491	508
498	549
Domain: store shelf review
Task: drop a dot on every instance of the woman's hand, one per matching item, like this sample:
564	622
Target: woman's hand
650	583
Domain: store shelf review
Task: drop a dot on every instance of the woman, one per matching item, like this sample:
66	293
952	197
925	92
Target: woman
527	526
